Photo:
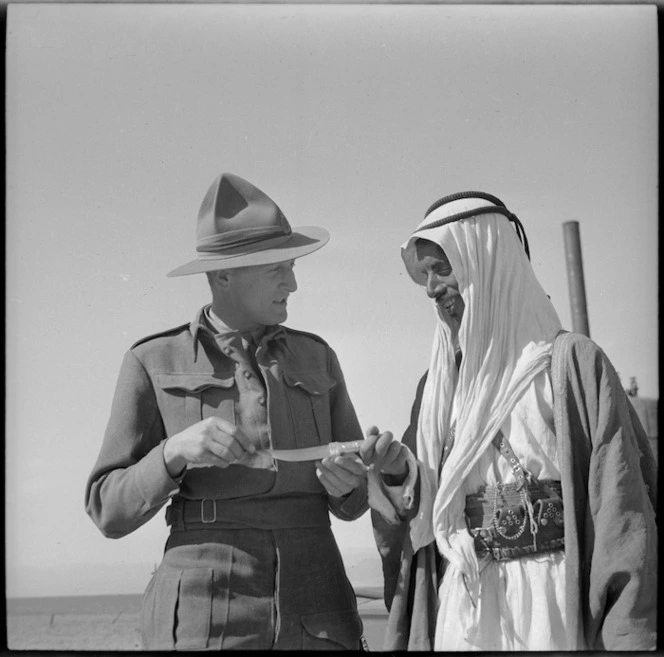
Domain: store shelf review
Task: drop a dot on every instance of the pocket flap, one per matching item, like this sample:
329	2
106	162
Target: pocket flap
342	627
194	382
315	383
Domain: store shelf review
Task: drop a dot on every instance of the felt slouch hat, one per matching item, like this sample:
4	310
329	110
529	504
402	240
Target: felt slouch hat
240	226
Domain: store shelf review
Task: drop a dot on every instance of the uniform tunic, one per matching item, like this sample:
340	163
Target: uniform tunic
251	561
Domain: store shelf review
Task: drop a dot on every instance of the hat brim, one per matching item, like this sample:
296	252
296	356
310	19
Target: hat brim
305	240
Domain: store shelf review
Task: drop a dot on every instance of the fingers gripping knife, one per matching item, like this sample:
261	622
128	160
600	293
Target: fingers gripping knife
380	498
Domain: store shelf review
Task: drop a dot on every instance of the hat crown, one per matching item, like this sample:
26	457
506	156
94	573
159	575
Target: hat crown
234	212
240	226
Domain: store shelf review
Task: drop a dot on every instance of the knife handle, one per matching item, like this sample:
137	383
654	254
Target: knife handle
337	449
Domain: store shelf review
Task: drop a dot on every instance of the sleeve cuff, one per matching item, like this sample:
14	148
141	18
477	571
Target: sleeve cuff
154	482
351	506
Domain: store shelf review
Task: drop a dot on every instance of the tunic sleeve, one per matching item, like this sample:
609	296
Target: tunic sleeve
130	483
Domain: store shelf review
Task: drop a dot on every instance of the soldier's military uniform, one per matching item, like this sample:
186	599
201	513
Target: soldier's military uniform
251	561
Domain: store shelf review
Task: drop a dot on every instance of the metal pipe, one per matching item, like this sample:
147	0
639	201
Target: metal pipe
577	286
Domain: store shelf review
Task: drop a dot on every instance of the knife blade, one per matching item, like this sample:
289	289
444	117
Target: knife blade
315	453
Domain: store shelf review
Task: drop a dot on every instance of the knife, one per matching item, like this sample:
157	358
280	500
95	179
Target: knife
316	453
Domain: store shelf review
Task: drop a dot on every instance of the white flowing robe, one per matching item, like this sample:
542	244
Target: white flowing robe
521	602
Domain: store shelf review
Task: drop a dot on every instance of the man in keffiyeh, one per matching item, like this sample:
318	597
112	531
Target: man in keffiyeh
533	526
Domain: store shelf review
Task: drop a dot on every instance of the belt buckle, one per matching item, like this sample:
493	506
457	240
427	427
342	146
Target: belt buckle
214	509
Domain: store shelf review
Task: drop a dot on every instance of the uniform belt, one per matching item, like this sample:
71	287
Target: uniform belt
255	512
512	520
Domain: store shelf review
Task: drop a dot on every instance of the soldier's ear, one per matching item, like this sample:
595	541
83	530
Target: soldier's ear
219	279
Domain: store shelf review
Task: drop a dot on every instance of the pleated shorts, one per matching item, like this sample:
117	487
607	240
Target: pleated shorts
230	589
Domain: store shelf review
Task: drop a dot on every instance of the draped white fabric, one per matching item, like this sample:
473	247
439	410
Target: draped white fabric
506	338
532	589
519	603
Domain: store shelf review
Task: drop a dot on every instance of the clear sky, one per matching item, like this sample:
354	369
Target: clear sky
351	117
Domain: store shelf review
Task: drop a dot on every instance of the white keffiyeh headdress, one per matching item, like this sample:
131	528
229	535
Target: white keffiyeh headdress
506	337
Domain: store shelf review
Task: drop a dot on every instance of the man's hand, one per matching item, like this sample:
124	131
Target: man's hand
387	454
340	474
213	441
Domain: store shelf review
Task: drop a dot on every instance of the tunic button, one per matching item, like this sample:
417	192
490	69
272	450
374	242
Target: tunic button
261	401
247	374
228	351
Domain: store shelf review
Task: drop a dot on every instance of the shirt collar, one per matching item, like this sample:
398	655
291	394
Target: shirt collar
225	330
210	323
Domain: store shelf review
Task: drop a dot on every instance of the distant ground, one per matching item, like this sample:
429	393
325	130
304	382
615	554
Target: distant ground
110	623
74	623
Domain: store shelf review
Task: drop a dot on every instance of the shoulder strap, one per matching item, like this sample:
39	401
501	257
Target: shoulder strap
161	334
522	475
501	443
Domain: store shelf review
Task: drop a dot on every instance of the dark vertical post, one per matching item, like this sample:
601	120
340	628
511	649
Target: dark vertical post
577	286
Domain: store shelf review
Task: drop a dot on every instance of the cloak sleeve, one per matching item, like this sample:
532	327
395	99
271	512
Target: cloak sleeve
410	580
610	536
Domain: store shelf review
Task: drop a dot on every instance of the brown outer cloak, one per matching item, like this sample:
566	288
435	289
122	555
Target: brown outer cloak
609	479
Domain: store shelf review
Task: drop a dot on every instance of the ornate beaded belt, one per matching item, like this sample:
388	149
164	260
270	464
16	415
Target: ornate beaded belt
511	520
508	521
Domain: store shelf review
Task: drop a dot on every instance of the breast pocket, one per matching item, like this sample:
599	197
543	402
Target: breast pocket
190	398
308	399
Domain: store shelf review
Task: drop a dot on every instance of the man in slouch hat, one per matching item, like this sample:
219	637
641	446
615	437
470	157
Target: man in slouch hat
533	526
199	415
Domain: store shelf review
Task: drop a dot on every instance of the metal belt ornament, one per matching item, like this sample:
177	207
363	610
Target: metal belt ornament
512	520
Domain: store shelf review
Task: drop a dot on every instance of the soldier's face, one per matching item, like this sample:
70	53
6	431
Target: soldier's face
259	295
